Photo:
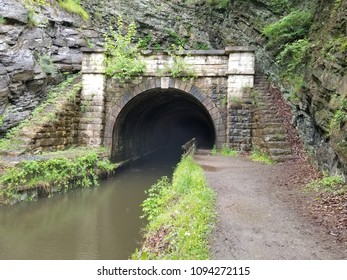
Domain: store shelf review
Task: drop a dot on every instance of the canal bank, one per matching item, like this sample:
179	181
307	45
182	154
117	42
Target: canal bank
94	223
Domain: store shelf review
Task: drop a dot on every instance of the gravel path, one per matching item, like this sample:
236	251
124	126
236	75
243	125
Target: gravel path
259	215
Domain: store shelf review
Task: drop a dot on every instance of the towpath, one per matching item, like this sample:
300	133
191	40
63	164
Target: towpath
261	215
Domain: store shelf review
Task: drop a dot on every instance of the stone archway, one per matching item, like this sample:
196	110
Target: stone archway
133	126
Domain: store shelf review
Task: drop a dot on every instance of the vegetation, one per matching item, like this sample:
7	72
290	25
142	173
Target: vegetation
220	4
123	60
290	28
11	141
261	157
47	65
179	67
73	6
226	151
2	20
328	184
59	174
180	215
280	6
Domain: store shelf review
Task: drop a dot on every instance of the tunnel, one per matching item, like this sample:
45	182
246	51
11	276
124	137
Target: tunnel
158	119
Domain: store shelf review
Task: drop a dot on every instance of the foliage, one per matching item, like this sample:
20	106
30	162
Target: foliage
226	151
333	46
47	65
145	43
219	4
59	173
184	210
12	140
329	184
293	55
123	60
179	68
39	3
236	100
214	150
290	28
175	41
2	118
202	46
73	6
32	18
338	119
280	6
2	20
261	157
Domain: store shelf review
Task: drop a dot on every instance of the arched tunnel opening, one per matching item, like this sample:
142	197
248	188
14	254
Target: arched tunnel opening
161	118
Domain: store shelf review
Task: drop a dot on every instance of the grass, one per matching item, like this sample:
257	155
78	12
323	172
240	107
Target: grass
225	151
74	7
58	172
181	214
328	184
261	157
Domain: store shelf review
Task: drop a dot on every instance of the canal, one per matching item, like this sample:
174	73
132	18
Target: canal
97	223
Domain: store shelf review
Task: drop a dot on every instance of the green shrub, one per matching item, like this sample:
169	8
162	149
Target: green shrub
73	6
123	59
290	28
293	55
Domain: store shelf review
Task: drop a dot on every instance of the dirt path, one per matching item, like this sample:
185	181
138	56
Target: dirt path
259	214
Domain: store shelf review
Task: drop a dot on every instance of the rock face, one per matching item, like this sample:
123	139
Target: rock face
35	54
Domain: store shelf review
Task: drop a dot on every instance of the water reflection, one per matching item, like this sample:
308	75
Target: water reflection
100	223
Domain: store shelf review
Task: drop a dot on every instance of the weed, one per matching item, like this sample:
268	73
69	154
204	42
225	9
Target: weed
261	157
183	212
73	6
145	43
338	119
2	118
123	60
179	68
32	18
328	184
226	151
214	150
2	20
202	46
47	65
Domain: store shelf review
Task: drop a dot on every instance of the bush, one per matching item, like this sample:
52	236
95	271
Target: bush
123	60
293	55
290	28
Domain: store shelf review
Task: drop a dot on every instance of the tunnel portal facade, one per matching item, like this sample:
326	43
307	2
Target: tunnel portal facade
154	111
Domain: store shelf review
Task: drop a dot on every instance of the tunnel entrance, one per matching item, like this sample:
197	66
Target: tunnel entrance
160	118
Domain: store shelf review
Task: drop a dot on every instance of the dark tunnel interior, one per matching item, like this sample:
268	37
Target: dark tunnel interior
159	119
